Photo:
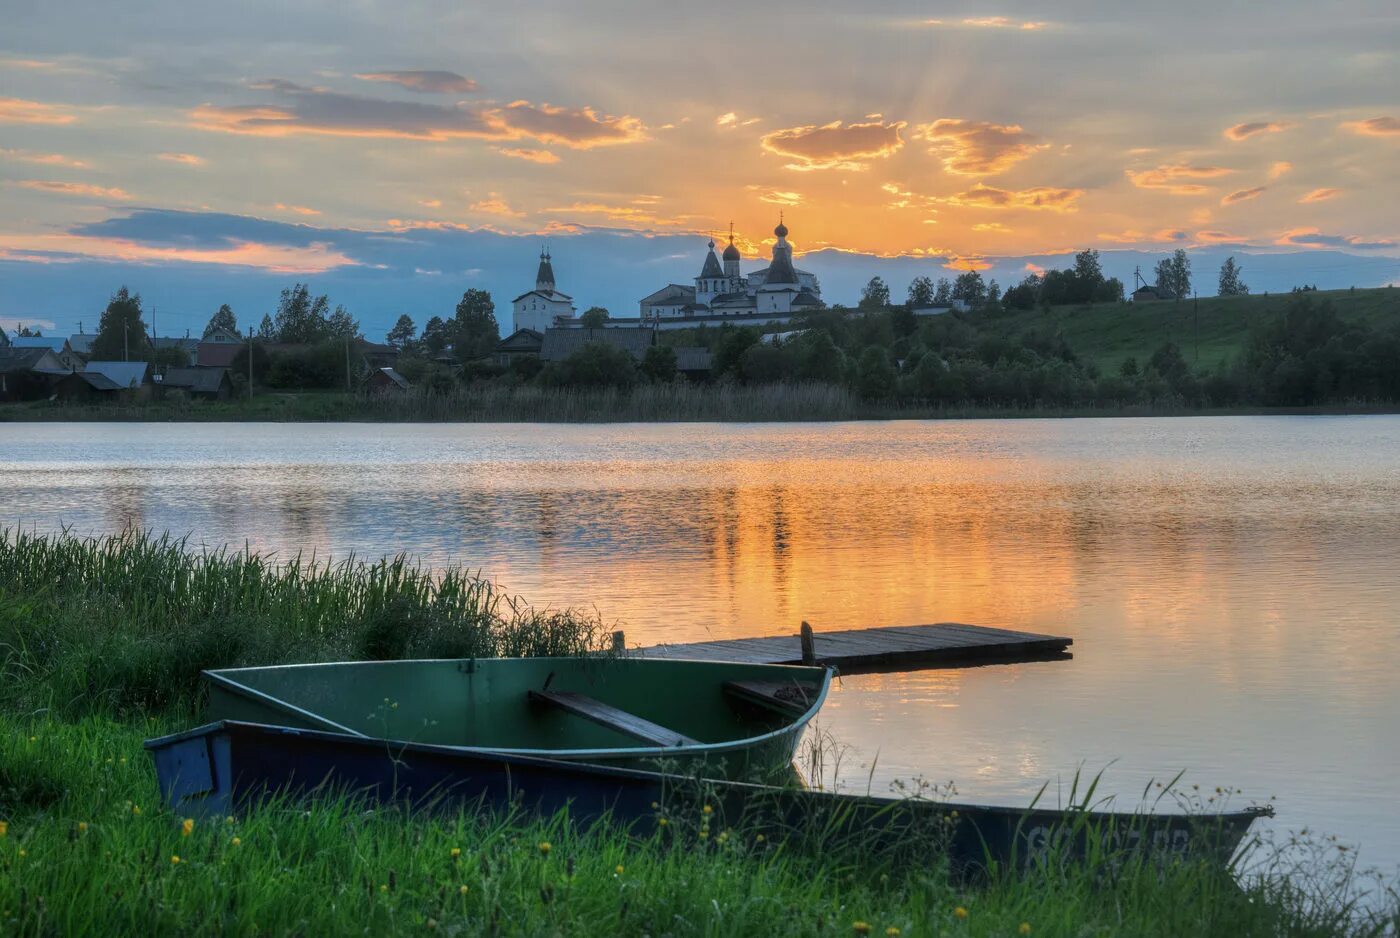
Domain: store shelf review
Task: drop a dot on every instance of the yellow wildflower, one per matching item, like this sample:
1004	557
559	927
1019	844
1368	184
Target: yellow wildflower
456	852
230	819
136	810
618	869
187	827
383	887
462	890
892	931
23	852
760	838
1024	928
662	822
544	847
707	810
960	912
394	705
654	805
237	842
174	859
33	738
704	834
860	928
4	828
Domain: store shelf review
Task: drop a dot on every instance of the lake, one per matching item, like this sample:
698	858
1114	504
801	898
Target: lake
1232	584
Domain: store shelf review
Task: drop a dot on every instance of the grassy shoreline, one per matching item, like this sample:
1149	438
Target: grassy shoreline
662	404
101	641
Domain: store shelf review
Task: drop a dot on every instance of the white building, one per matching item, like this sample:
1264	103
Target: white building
723	294
542	306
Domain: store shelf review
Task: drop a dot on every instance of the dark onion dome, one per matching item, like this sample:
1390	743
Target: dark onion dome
711	268
781	230
781	270
545	275
731	253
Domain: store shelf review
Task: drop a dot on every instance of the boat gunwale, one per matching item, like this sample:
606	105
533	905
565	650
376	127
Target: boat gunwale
795	725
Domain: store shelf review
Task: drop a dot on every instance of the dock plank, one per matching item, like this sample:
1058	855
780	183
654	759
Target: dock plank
882	650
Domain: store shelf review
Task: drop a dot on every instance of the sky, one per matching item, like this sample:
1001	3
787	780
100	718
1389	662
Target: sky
396	154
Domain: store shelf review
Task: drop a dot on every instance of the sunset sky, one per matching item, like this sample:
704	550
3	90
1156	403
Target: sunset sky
416	148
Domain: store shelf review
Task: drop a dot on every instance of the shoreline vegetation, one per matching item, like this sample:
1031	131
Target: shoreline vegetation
669	403
101	644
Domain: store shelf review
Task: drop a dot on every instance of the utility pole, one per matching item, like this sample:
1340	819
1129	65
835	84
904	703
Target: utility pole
1196	302
250	362
126	332
347	363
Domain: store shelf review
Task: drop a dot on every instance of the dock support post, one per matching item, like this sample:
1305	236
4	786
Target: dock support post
809	651
619	641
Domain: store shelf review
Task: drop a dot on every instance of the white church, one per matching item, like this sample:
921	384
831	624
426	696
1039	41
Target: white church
723	294
543	306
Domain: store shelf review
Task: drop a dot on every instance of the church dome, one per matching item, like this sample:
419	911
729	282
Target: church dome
781	230
731	253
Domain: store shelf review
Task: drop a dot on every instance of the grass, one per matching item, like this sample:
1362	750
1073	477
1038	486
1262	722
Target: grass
100	640
1107	334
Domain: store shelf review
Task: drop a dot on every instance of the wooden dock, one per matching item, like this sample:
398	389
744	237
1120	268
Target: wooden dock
878	650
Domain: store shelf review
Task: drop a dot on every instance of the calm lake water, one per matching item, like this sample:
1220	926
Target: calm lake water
1232	584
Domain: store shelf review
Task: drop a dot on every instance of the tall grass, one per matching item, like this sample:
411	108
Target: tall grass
124	624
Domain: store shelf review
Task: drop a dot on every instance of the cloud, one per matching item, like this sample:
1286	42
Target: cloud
990	22
1319	195
978	148
1313	238
1040	197
1243	195
967	262
1175	178
1218	237
1245	131
306	110
19	111
992	226
298	209
727	120
496	205
780	197
544	157
834	145
73	188
188	159
426	82
1375	127
430	203
1033	268
42	159
1281	168
1131	236
316	257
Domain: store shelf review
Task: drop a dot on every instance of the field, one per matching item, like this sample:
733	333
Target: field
1218	329
101	642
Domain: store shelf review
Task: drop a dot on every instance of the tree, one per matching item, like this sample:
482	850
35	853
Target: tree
875	294
993	293
301	318
943	293
266	330
436	335
876	374
920	293
1165	278
1174	276
339	325
1230	282
596	365
595	317
27	332
818	358
223	319
1025	294
1129	368
659	363
1088	270
402	334
474	328
970	288
121	335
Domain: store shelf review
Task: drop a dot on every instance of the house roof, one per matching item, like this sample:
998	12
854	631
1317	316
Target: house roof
123	374
395	377
98	381
81	342
711	269
521	339
184	343
669	295
217	354
53	342
42	360
552	295
195	380
559	344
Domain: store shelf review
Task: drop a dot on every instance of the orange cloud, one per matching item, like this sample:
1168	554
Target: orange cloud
298	209
1039	197
834	145
1033	268
1319	195
1218	237
991	22
978	148
965	263
1314	238
42	159
779	197
1243	195
543	157
496	205
429	82
1245	131
317	111
188	159
1281	168
1375	127
430	203
19	111
73	188
1174	178
313	258
992	226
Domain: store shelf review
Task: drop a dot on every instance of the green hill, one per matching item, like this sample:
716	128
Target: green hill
1107	334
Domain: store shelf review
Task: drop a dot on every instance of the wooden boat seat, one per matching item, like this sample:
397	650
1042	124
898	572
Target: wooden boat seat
628	724
787	698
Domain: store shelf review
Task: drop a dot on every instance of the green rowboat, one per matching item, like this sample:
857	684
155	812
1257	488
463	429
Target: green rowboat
740	721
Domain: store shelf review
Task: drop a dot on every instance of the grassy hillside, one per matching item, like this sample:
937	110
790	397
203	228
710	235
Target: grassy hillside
1107	334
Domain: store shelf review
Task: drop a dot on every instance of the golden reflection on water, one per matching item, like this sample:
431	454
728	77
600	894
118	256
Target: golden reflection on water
1232	584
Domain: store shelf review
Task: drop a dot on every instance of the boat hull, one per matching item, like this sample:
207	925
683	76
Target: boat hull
227	766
